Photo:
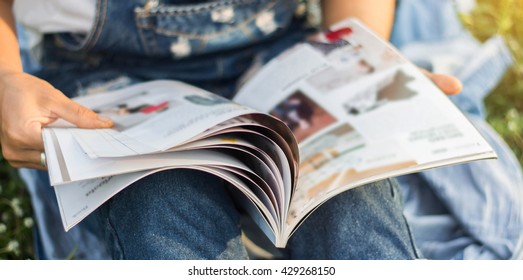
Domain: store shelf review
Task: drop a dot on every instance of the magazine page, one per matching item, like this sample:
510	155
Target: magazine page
256	148
255	152
78	166
256	167
152	117
78	199
360	113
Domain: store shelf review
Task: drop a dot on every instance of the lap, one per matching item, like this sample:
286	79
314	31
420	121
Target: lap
175	214
187	214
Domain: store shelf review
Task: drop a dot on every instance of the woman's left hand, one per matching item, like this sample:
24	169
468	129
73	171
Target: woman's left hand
448	84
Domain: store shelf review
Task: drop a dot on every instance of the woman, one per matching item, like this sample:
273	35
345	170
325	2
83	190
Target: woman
180	214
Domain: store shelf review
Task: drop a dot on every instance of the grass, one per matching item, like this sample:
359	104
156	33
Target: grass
16	222
504	107
505	104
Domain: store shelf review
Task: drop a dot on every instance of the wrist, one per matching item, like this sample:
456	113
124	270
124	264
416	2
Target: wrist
8	71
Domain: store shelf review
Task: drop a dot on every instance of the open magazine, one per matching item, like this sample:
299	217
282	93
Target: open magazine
337	112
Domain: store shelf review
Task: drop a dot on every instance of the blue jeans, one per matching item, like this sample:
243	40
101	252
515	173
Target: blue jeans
183	214
187	214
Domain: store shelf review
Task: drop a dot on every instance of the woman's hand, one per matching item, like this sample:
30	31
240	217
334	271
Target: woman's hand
380	20
448	84
27	104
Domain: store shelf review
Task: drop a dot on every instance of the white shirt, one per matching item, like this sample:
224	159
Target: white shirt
48	16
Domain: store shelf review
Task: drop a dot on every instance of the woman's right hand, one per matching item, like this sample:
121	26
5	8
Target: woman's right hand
27	104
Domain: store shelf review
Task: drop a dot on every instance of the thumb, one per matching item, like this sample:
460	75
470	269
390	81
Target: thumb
78	114
450	85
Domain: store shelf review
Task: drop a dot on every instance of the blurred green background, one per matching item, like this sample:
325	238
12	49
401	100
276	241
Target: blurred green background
505	103
504	106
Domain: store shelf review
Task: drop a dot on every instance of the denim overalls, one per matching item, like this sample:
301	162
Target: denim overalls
206	43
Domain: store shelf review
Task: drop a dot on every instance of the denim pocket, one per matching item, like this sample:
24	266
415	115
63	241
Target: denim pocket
183	30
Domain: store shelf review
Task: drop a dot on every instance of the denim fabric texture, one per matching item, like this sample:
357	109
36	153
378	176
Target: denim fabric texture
187	214
188	42
184	214
180	28
473	210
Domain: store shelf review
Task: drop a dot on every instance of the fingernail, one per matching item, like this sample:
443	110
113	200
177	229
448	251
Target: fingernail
105	121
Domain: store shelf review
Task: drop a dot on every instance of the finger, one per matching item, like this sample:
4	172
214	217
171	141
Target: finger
77	114
448	84
32	165
34	139
20	138
25	159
